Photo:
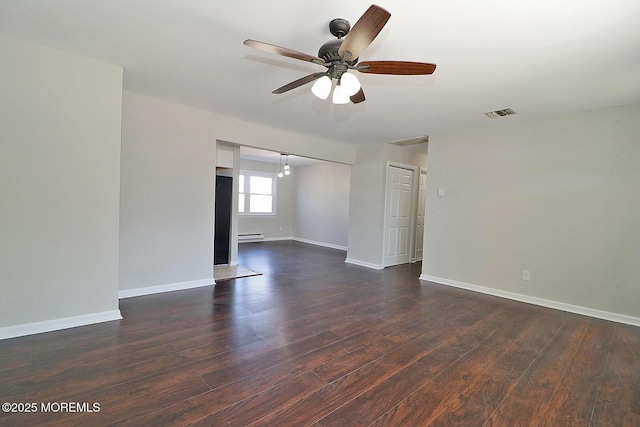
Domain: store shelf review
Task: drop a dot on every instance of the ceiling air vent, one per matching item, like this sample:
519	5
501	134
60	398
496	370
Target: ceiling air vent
411	141
501	113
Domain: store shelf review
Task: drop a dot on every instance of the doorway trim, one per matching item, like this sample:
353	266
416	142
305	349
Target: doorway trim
420	205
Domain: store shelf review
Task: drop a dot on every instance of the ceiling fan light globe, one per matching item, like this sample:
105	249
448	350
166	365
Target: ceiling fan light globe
340	96
350	83
287	172
322	87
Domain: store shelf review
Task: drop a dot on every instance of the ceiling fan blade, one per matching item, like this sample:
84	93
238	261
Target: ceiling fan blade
297	83
363	32
358	97
396	67
283	51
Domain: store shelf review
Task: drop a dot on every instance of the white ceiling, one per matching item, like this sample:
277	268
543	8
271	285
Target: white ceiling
539	57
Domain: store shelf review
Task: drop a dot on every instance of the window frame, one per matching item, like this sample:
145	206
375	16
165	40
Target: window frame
247	194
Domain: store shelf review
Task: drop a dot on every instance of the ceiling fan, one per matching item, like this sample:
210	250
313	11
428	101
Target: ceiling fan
341	55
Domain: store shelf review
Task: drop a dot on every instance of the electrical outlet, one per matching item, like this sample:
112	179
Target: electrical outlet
526	275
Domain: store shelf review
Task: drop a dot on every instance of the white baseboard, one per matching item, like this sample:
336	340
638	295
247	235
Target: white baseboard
277	239
585	311
314	242
364	264
58	324
298	239
149	290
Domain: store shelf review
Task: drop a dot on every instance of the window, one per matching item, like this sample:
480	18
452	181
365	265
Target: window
257	193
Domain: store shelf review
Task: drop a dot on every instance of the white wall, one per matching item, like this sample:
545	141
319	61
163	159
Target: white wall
367	197
60	124
558	197
168	192
366	207
278	226
321	209
312	204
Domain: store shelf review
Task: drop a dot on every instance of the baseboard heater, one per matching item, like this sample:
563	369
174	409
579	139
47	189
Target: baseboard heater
250	237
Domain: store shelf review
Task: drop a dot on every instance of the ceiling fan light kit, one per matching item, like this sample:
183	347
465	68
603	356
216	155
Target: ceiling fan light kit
341	55
322	87
350	83
340	95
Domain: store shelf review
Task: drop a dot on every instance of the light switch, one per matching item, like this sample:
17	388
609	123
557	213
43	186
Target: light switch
440	192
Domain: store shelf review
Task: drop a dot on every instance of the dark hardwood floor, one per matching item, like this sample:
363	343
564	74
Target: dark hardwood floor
315	341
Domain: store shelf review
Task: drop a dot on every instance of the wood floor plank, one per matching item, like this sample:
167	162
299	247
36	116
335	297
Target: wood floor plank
309	361
484	394
84	378
123	402
527	400
316	405
345	364
442	395
260	405
436	325
318	342
574	401
618	403
226	373
319	404
373	403
12	362
192	409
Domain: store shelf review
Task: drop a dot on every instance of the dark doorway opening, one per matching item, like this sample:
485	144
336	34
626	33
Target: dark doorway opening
221	241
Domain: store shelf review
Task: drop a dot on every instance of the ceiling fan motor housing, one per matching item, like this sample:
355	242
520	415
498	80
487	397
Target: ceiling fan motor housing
329	53
329	50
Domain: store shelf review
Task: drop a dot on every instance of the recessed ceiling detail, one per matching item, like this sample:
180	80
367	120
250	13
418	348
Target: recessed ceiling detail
501	113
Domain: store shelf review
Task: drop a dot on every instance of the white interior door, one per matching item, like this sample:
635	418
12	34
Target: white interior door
398	216
422	188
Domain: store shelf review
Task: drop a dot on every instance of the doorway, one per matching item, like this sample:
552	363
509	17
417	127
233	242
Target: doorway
222	230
